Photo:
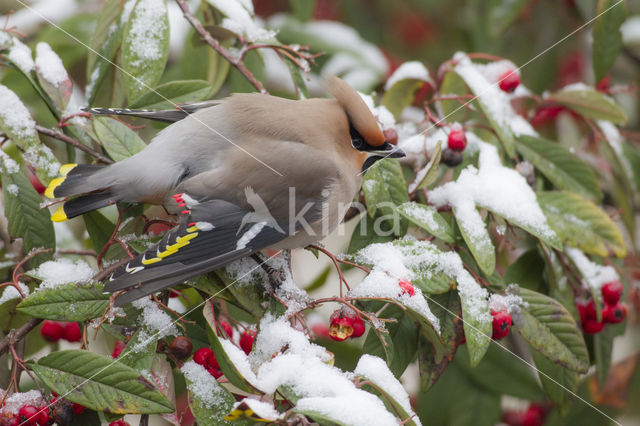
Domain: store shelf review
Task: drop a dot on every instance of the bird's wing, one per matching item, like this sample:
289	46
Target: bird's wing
211	234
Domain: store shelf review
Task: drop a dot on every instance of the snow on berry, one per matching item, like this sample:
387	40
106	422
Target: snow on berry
595	275
406	287
612	291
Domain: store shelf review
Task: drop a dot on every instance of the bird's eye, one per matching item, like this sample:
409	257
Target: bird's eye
357	143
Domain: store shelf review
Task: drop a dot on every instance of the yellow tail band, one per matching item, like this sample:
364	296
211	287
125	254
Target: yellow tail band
59	215
52	186
66	168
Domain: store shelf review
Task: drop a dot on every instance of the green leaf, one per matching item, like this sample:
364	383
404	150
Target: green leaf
365	234
231	372
582	224
99	383
302	9
477	325
400	343
430	172
551	330
607	39
99	228
501	372
453	84
167	95
209	402
68	302
590	103
526	271
478	240
103	45
555	380
145	46
402	93
384	188
382	384
427	218
561	167
117	139
602	349
22	210
502	14
621	189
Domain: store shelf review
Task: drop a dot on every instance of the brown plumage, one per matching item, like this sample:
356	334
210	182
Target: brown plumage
249	159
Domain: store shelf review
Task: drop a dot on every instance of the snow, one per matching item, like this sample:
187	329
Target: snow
381	113
145	31
28	19
510	302
616	140
249	235
404	257
595	275
49	65
421	213
156	323
494	187
20	55
11	293
62	271
579	86
15	401
203	385
262	409
9	163
495	70
14	116
375	370
630	30
245	271
409	70
13	189
42	158
239	19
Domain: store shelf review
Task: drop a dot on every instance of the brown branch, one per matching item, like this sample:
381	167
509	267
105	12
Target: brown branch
215	44
66	139
17	334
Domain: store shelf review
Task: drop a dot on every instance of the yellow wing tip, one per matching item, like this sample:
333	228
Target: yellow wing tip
59	215
52	187
66	168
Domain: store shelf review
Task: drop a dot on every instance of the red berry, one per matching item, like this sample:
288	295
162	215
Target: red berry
501	324
202	355
35	182
509	81
10	421
340	326
119	422
545	115
358	327
592	326
611	292
172	294
227	328
534	416
320	330
407	288
582	310
28	414
78	409
117	349
71	332
391	136
615	314
603	85
43	416
246	341
457	140
51	330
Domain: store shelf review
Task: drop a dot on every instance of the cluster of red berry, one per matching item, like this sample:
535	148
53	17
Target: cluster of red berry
344	325
56	330
29	415
58	411
614	311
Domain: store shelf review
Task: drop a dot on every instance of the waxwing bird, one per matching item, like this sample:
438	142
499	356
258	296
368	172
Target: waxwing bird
243	173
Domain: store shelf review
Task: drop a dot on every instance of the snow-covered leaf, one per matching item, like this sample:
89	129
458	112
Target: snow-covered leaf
22	209
67	302
564	169
225	360
52	76
582	224
589	102
551	330
209	402
402	86
475	234
145	46
427	218
166	95
105	42
382	382
429	173
477	323
384	187
607	39
98	383
555	379
116	138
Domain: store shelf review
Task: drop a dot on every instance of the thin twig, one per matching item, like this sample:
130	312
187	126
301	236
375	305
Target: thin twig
215	44
66	139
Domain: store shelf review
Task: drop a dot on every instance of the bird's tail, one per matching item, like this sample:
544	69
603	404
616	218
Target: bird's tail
73	181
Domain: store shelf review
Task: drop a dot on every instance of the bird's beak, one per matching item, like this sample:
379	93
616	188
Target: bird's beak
388	151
